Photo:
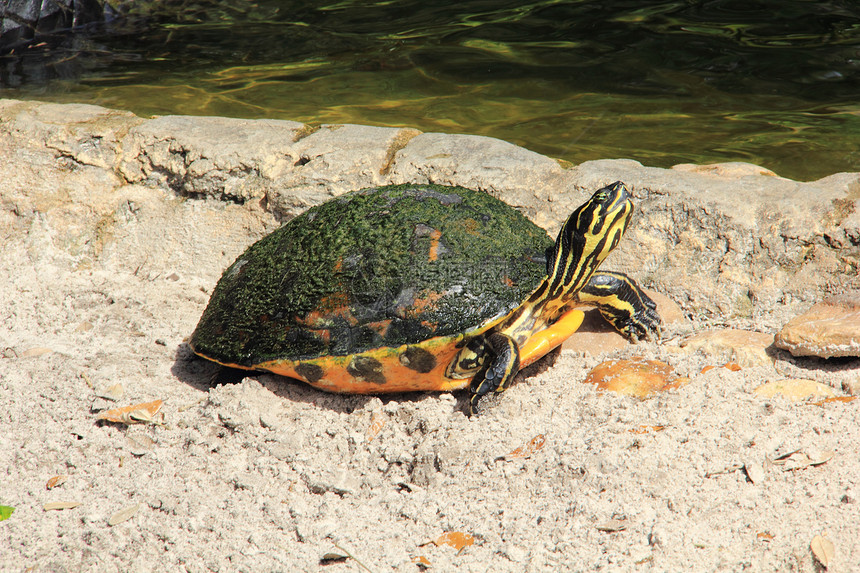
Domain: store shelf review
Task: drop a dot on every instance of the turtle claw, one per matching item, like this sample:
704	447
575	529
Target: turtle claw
499	372
624	305
644	325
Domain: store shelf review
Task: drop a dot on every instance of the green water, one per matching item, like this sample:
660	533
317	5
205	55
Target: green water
775	83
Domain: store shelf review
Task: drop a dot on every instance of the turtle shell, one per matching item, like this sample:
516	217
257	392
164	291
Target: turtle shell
374	269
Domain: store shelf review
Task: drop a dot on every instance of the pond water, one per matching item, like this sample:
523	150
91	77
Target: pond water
775	83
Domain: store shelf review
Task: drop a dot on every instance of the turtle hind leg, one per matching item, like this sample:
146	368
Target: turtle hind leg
623	304
544	341
499	371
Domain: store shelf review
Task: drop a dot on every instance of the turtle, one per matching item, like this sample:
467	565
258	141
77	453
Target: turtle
419	287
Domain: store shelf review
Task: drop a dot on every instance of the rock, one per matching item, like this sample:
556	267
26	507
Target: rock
333	160
795	389
731	169
192	154
830	328
635	377
744	347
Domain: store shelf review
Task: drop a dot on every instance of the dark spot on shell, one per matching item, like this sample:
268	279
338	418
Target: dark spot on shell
443	198
418	359
367	368
310	372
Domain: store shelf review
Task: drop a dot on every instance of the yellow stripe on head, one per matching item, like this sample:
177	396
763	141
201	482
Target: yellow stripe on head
587	237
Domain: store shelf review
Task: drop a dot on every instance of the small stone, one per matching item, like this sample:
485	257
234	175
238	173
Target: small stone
754	470
828	329
743	347
269	420
341	483
34	352
852	386
635	377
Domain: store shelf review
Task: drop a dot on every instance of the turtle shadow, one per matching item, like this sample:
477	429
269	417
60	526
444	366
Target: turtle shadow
203	375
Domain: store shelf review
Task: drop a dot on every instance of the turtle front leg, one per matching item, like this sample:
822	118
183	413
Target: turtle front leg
500	371
623	304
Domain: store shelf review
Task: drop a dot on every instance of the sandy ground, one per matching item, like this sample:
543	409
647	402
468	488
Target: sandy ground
101	282
266	474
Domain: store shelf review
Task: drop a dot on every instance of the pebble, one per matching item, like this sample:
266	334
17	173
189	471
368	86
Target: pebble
746	348
341	483
830	328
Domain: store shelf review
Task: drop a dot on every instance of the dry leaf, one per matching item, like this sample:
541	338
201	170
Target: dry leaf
421	560
534	445
783	452
726	470
56	481
754	471
612	525
764	536
112	393
843	399
33	352
733	366
333	558
456	539
61	505
139	444
800	460
134	414
644	429
123	514
823	549
377	422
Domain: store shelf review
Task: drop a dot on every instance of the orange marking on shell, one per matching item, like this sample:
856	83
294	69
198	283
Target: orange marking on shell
426	301
335	305
435	236
380	326
472	227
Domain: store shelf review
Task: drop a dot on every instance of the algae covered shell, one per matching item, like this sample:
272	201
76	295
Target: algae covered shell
374	268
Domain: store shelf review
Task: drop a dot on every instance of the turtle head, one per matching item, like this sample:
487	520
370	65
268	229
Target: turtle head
585	239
